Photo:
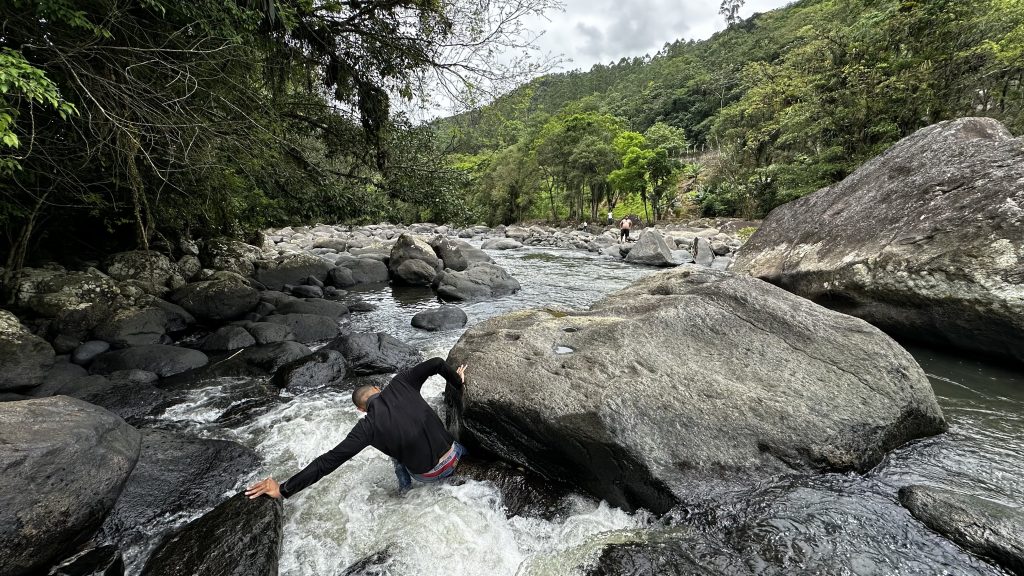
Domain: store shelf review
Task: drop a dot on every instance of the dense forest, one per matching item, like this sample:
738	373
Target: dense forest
129	123
772	108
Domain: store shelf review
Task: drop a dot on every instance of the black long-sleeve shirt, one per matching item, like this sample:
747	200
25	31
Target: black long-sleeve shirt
398	422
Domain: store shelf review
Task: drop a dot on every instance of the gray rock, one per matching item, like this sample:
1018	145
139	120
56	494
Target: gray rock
659	555
413	261
451	254
986	528
375	353
132	327
75	301
374	564
479	282
177	476
103	560
319	369
24	357
64	344
227	338
523	493
720	248
366	270
475	256
501	244
327	308
721	263
341	277
156	358
445	317
176	318
189	266
58	376
291	269
780	385
307	291
924	241
126	398
65	463
269	332
254	362
276	298
650	250
225	254
145	266
307	328
614	251
414	273
702	252
225	298
240	537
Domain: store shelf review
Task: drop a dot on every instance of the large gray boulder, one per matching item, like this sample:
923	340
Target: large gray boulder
160	359
986	528
146	266
450	253
291	269
413	261
133	327
240	537
413	273
685	382
479	282
64	464
120	394
650	250
445	317
24	357
226	297
926	240
76	301
366	270
501	244
319	369
307	328
176	476
231	256
374	353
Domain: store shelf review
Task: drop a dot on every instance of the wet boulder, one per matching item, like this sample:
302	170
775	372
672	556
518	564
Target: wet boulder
159	359
523	493
409	248
341	277
256	361
87	351
177	476
76	301
446	317
478	282
501	244
319	369
226	339
375	353
291	269
650	250
269	332
225	254
366	270
240	537
451	253
122	395
146	266
413	273
102	560
924	241
24	357
989	529
307	328
773	384
133	327
327	308
225	297
65	463
680	553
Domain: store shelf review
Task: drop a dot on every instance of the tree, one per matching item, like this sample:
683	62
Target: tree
730	9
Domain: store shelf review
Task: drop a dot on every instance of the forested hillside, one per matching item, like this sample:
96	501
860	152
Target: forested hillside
770	109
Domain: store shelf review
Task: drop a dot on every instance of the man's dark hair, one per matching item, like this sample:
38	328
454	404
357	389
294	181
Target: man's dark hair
362	394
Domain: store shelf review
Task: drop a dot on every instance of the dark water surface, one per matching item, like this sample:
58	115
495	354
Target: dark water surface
830	524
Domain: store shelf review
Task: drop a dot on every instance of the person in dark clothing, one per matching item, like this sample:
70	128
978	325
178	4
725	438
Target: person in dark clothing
399	423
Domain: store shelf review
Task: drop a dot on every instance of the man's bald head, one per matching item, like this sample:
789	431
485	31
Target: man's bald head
361	395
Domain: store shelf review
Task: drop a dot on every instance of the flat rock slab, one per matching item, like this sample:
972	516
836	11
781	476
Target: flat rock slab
64	463
159	359
478	282
926	240
685	381
986	528
240	537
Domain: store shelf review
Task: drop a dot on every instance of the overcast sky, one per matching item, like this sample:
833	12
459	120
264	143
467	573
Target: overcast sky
592	31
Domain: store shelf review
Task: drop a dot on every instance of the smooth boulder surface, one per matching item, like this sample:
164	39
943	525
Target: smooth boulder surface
409	247
227	338
123	396
307	328
103	560
445	317
414	273
240	537
686	381
319	369
650	250
366	270
226	297
64	464
479	282
450	253
986	528
160	359
291	269
133	327
24	357
314	306
375	353
926	240
177	475
501	244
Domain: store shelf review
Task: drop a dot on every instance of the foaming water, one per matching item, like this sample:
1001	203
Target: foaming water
827	524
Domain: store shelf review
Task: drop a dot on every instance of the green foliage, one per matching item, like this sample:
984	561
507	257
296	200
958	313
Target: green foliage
745	233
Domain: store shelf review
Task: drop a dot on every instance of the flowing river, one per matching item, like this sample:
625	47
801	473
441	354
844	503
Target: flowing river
829	524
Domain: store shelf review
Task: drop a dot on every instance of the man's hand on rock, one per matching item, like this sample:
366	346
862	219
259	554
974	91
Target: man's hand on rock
269	486
461	371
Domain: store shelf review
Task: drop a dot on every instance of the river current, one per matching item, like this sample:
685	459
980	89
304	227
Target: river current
829	524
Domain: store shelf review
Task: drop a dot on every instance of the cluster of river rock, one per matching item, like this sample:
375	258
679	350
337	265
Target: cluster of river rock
742	380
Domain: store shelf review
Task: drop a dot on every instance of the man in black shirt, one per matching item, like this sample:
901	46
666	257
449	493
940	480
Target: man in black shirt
399	423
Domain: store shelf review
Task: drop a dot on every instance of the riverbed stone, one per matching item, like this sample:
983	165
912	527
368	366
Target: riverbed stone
269	332
321	368
306	291
307	328
240	537
340	277
177	475
413	273
374	353
123	396
24	357
104	560
445	317
478	282
702	251
228	255
142	265
501	244
291	269
451	254
132	327
925	241
65	462
320	307
780	385
408	250
159	359
176	318
76	301
227	338
225	297
366	270
650	250
989	529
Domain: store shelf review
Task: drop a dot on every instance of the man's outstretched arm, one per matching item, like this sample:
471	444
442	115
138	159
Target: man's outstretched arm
419	373
324	464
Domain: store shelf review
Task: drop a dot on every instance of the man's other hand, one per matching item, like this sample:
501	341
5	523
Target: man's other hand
461	371
270	487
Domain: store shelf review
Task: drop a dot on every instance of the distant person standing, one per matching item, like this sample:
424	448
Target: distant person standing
611	218
624	225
